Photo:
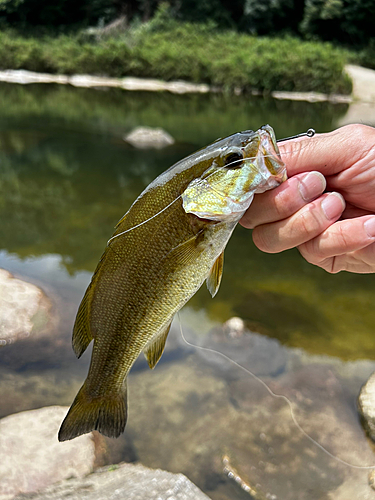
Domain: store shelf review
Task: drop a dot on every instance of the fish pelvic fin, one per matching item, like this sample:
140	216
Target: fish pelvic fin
214	278
155	348
82	335
106	414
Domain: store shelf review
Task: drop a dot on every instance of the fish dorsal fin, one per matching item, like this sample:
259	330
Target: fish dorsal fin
214	278
120	221
155	348
81	331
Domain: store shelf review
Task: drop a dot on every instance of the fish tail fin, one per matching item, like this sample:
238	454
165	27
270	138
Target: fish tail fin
106	414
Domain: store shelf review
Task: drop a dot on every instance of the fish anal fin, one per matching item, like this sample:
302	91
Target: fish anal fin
155	348
214	278
82	335
106	414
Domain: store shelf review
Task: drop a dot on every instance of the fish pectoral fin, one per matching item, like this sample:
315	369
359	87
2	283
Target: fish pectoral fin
155	348
214	278
81	331
187	252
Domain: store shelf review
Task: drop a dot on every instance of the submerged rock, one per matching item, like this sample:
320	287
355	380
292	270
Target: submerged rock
234	327
34	457
255	352
200	414
24	309
366	406
125	482
147	137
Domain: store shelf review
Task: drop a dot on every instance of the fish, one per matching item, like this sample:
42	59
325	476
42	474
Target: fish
170	241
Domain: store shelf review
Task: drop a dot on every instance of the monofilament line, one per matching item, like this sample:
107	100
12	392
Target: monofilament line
202	180
143	222
278	396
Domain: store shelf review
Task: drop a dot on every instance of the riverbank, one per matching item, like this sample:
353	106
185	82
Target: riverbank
145	84
198	54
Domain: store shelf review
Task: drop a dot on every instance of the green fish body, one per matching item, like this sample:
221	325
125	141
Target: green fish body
170	241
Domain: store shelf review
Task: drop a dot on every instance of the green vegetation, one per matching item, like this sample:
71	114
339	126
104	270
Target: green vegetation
348	22
193	52
245	44
119	37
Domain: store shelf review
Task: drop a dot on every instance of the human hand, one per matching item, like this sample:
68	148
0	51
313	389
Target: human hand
334	230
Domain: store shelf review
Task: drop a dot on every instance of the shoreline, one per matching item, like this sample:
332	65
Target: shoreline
25	77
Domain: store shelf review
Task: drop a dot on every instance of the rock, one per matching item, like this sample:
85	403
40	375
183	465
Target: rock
363	82
20	392
23	306
147	137
371	479
25	77
35	458
366	406
311	97
253	351
234	327
124	482
195	417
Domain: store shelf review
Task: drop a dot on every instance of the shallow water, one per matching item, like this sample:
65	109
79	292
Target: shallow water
66	177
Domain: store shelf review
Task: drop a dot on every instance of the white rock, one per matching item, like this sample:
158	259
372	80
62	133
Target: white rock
128	83
31	456
234	327
363	82
366	405
147	137
126	482
19	303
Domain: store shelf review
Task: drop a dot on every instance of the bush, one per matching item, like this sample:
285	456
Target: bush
190	52
366	57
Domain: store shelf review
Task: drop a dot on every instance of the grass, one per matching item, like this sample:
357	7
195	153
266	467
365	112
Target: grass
191	52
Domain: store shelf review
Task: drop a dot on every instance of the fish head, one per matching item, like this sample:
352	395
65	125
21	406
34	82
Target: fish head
244	164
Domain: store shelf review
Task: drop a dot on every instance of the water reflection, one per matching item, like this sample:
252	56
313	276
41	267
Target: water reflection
66	177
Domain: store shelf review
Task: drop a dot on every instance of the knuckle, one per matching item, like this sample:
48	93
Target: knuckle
342	237
308	222
284	203
328	264
358	129
333	265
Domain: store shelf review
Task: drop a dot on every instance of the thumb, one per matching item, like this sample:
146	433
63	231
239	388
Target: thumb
327	153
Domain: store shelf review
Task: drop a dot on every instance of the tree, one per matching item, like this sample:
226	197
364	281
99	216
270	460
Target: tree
347	21
272	16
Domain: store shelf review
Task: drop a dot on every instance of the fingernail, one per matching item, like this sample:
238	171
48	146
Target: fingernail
312	185
370	227
333	205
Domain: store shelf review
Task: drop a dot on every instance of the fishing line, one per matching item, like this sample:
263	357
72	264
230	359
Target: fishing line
277	396
310	133
144	222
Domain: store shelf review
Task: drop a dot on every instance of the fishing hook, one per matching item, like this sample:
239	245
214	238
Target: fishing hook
309	133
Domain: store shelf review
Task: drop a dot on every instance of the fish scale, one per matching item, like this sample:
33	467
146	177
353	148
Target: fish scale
169	242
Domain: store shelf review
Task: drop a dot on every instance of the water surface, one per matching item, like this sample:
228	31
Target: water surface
67	177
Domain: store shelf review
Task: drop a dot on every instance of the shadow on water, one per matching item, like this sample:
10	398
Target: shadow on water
66	178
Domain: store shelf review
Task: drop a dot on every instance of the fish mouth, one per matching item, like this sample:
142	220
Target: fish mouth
266	156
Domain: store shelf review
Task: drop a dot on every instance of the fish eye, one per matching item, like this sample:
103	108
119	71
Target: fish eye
233	160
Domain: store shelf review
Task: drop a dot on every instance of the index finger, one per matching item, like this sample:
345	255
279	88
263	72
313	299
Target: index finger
328	153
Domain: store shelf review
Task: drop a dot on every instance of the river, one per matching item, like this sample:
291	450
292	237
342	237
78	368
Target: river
66	178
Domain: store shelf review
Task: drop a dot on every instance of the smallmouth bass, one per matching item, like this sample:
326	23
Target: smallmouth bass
170	241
